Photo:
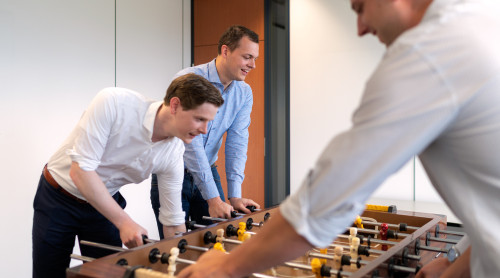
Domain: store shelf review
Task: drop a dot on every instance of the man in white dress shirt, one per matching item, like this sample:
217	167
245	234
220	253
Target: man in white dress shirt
436	94
122	138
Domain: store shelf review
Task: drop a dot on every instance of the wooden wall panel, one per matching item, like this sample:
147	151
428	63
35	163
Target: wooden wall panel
211	19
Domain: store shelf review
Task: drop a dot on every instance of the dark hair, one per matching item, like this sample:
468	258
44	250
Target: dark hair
193	90
233	35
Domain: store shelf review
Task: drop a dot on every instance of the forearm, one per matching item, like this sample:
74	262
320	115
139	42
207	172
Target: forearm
276	243
169	231
460	267
93	189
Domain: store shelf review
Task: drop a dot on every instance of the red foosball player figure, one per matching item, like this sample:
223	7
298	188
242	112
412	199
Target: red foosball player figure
383	234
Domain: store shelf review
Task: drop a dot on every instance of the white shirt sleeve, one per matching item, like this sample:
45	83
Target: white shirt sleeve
395	121
170	188
93	131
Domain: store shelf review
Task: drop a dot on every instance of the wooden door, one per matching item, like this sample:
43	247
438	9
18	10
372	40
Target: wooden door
211	19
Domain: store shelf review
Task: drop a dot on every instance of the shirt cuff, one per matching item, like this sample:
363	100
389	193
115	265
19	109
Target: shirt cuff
209	190
84	164
171	219
319	227
233	189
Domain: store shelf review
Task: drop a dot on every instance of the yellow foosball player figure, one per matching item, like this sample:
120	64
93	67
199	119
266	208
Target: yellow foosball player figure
359	222
242	235
323	251
316	267
219	246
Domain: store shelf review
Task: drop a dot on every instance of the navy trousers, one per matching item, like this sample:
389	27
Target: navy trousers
57	220
193	203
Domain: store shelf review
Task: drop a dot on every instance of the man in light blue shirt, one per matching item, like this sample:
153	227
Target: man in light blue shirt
202	193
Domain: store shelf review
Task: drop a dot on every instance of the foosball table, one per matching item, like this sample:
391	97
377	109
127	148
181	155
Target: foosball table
381	243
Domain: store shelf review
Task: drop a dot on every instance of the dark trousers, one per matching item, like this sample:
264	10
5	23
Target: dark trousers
57	220
193	203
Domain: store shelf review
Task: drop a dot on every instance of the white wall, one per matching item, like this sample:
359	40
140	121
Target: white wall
55	55
329	67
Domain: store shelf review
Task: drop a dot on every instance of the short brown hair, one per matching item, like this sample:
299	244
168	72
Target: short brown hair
193	90
233	35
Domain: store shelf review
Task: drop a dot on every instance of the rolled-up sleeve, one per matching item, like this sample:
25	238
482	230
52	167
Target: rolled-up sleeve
93	132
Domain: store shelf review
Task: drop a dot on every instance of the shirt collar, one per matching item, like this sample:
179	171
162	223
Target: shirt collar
213	75
436	7
149	118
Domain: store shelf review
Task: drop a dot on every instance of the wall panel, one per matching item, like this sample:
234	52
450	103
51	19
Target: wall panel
211	19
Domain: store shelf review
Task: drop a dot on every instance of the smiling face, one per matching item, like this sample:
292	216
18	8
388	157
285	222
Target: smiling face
190	103
236	64
193	122
382	18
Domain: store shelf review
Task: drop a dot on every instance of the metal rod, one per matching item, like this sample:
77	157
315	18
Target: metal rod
445	240
215	219
455	233
148	240
309	268
370	231
413	257
81	258
374	251
433	249
184	261
373	240
104	246
196	248
260	224
233	241
393	226
404	269
259	275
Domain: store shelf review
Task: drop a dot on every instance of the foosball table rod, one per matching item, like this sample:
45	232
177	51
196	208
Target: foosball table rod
419	247
429	238
191	225
103	246
366	250
164	258
390	233
132	271
370	240
438	231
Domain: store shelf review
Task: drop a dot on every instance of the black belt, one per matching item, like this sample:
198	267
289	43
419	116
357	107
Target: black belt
53	183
